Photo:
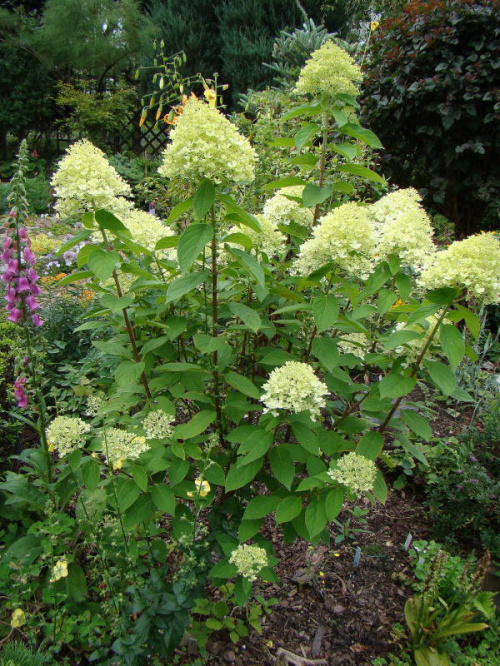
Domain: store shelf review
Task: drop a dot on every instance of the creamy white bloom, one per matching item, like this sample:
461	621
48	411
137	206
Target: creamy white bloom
354	343
249	560
346	237
66	434
158	425
355	472
85	181
472	264
403	228
268	240
295	388
330	71
279	209
119	445
206	145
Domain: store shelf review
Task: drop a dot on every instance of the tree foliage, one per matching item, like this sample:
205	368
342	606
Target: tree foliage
432	95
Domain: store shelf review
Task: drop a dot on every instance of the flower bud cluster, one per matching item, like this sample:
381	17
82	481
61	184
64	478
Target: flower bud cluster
355	472
120	445
66	434
249	560
158	425
20	277
295	388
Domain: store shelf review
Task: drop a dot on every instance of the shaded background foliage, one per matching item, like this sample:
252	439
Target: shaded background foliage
432	95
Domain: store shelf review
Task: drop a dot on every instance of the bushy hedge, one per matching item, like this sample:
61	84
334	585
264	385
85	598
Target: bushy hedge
432	95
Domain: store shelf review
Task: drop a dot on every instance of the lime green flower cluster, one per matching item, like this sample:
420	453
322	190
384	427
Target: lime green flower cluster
249	560
268	240
346	236
147	230
86	181
354	343
329	71
295	388
279	209
158	425
355	472
94	403
472	264
120	445
403	228
65	434
43	244
206	145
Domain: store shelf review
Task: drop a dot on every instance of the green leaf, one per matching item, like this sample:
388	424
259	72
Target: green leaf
472	321
396	386
240	214
305	134
167	242
77	583
442	296
325	310
364	135
314	194
412	448
362	172
128	493
129	372
288	509
370	445
386	299
140	512
251	265
223	570
380	488
77	238
204	198
305	159
198	424
192	241
243	384
347	150
102	264
452	343
442	376
306	438
91	473
282	465
237	477
178	471
248	316
261	506
75	277
327	353
248	529
399	338
116	303
282	142
184	285
107	220
340	116
417	423
315	517
179	210
140	477
303	110
215	474
403	283
333	503
290	181
163	498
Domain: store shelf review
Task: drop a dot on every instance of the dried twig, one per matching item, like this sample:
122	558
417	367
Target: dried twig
284	657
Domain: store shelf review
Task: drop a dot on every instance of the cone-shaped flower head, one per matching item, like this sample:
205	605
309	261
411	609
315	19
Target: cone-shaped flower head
473	264
329	71
249	560
268	240
403	228
346	236
295	388
355	472
86	181
280	209
66	434
206	145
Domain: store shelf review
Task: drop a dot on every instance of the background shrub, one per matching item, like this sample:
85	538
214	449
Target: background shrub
432	97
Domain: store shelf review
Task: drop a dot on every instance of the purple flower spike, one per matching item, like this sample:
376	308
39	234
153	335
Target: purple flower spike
29	256
23	285
31	303
23	233
37	322
15	315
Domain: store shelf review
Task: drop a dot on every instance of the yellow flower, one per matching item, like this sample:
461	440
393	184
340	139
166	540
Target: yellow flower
18	618
211	97
202	486
50	446
60	570
374	25
118	464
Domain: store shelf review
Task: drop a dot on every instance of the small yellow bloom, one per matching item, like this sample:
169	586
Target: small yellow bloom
202	486
18	618
336	554
60	570
118	463
374	25
211	97
321	574
269	644
50	446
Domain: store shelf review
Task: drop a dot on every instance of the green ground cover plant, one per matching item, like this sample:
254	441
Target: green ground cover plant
251	366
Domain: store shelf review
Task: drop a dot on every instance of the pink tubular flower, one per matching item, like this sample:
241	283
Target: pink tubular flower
20	393
20	277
